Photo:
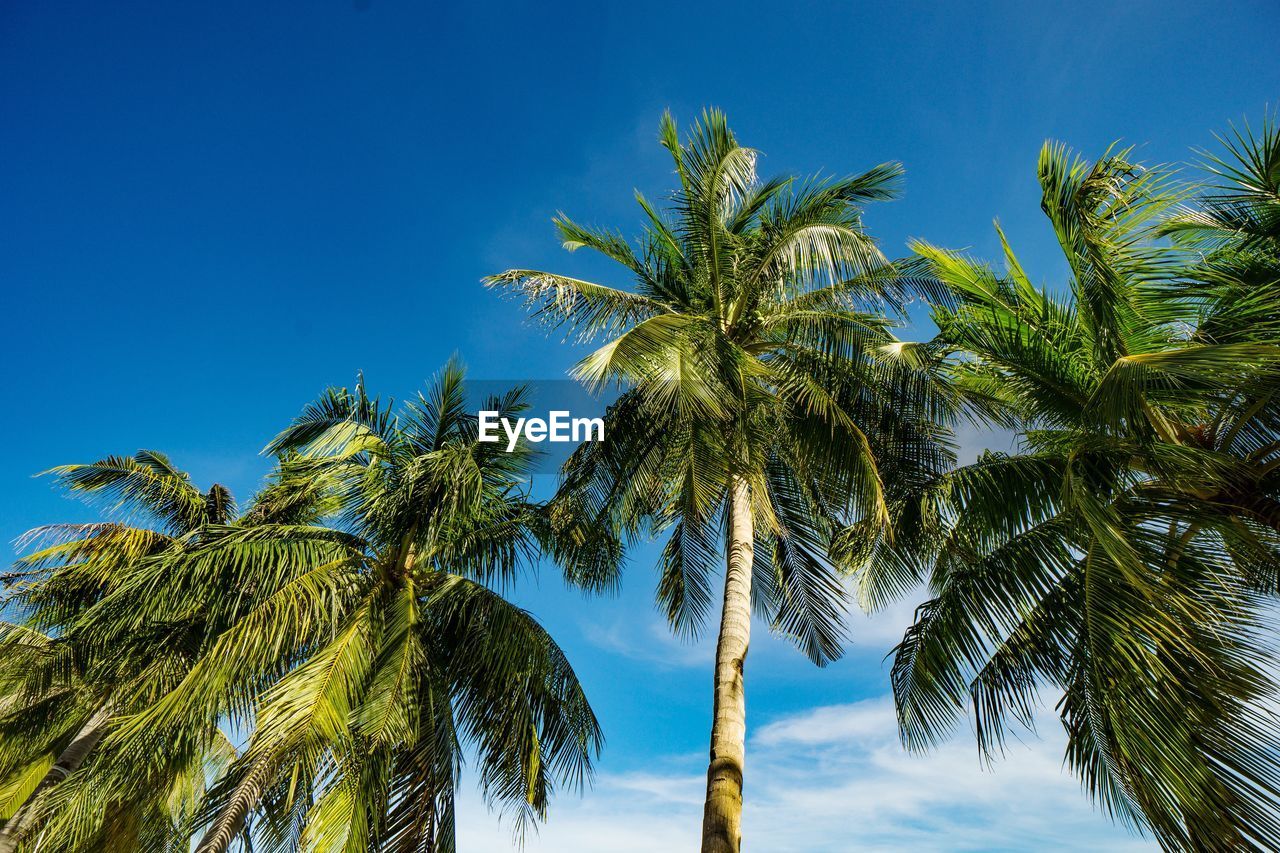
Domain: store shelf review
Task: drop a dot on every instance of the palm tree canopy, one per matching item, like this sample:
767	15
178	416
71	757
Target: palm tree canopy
1127	554
58	682
753	342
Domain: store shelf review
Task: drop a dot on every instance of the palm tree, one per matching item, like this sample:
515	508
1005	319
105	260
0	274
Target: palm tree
360	645
1126	555
59	693
767	414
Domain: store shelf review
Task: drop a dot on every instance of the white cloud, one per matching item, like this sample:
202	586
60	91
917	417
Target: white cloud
832	725
883	629
650	641
833	779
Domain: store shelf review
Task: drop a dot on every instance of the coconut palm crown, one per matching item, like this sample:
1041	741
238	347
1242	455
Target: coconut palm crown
61	689
1124	557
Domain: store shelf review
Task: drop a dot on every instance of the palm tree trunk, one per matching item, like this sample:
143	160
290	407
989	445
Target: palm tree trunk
230	823
68	762
722	816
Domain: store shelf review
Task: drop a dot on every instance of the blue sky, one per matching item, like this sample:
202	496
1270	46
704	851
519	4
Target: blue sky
209	212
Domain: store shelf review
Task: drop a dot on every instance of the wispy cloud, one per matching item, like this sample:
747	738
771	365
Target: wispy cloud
834	725
830	779
883	629
650	641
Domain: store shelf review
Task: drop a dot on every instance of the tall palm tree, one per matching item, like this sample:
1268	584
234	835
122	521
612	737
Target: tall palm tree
59	693
1126	555
360	647
768	414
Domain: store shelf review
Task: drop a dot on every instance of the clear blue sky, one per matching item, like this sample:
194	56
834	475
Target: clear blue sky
208	212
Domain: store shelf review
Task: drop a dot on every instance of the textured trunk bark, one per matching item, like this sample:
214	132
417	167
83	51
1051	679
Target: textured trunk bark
231	823
68	762
722	816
